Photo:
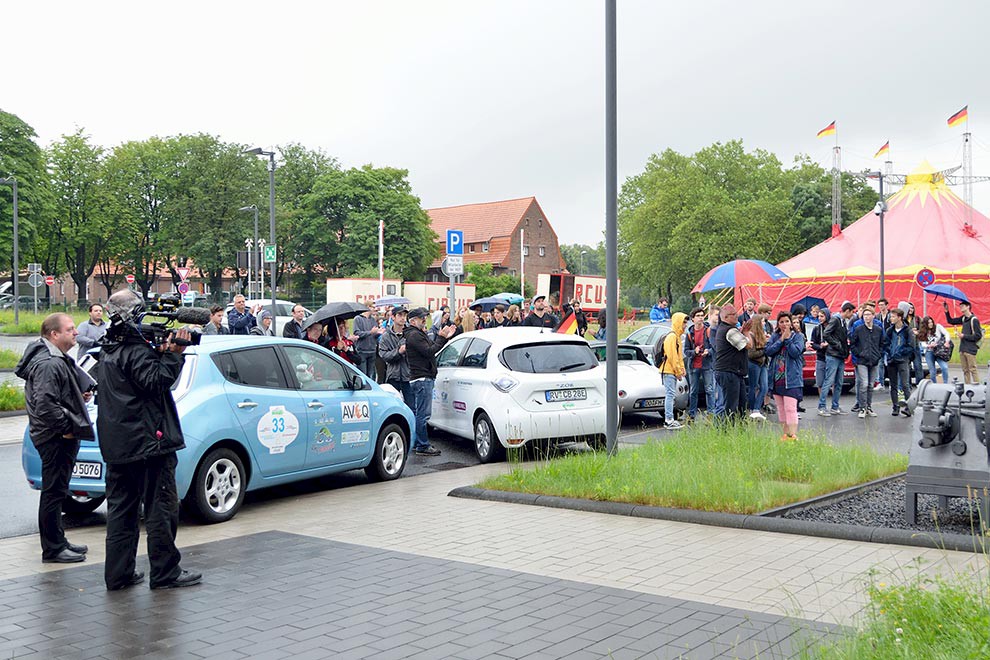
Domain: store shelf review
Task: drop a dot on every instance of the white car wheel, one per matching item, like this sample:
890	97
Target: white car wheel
486	442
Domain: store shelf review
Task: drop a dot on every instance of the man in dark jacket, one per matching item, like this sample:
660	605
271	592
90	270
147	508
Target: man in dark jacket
899	346
731	364
56	407
969	339
368	331
541	317
139	435
293	329
392	349
422	361
698	350
836	335
866	344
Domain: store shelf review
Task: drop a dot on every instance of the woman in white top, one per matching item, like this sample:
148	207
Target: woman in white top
930	336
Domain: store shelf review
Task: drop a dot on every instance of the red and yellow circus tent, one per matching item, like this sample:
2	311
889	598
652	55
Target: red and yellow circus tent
926	226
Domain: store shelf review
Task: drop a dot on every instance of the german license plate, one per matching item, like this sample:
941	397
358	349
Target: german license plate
576	394
650	403
87	470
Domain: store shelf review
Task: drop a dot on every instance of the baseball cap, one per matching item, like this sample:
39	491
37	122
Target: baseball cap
418	313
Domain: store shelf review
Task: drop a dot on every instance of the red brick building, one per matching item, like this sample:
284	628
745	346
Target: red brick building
492	236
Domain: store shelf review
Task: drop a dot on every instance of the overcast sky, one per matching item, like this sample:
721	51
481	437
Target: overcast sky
497	99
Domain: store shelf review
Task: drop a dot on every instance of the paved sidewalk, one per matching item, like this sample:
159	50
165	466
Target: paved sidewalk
769	573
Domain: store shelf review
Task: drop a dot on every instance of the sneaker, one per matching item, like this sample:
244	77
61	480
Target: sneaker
878	387
862	413
855	408
905	410
670	425
756	414
428	450
839	411
895	412
822	412
870	413
800	408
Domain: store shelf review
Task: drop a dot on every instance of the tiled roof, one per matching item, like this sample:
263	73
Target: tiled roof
480	222
498	252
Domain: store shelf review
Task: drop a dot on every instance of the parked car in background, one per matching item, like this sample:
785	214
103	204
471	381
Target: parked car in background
24	303
650	338
283	310
506	387
641	386
808	373
256	415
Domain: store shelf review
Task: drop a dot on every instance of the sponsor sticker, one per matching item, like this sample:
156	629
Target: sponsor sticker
354	437
277	429
353	412
323	441
460	405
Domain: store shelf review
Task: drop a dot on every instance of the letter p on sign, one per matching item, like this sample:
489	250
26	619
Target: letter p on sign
455	241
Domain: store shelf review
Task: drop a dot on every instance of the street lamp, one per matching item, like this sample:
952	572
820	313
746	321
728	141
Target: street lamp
258	151
255	268
16	270
879	210
583	252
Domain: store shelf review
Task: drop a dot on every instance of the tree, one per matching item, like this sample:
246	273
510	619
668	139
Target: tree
141	180
79	224
811	196
487	283
23	159
592	263
684	214
351	203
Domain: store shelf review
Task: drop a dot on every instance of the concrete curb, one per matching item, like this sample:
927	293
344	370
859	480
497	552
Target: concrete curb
12	413
958	542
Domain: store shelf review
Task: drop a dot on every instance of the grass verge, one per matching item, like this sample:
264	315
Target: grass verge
11	397
935	618
9	358
742	470
29	323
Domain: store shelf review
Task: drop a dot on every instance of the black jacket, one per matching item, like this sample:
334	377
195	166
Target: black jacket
867	344
972	332
728	357
396	365
837	338
534	321
137	417
293	330
421	353
54	398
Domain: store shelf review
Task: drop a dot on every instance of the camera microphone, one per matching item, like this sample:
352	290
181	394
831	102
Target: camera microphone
192	315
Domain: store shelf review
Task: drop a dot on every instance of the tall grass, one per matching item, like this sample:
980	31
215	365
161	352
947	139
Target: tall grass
29	323
742	469
11	397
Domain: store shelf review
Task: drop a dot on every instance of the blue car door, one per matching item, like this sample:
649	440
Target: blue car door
271	413
341	419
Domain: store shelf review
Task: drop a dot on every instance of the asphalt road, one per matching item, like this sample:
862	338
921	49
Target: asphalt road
884	432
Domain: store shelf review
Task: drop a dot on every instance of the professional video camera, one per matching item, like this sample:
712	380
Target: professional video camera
158	332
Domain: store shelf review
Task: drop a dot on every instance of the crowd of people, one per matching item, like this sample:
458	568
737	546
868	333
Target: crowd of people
749	361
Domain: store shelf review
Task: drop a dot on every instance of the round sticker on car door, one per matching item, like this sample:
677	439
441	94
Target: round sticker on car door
277	429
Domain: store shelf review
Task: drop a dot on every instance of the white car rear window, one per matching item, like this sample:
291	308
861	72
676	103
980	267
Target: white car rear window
549	358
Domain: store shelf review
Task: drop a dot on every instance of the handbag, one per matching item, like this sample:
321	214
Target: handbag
943	350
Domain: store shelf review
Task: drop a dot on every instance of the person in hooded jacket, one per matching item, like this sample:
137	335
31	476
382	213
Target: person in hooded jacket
56	408
672	367
786	351
139	435
866	343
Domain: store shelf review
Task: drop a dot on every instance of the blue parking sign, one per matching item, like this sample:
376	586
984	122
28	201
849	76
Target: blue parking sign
455	241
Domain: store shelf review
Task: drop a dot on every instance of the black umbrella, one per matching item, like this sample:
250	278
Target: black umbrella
335	310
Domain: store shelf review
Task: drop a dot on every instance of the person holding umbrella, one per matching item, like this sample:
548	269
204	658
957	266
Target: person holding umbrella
970	338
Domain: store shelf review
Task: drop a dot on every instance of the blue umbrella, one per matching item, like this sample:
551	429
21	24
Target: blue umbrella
487	304
511	298
946	291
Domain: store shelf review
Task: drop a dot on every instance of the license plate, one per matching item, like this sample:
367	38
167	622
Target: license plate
87	470
650	403
576	394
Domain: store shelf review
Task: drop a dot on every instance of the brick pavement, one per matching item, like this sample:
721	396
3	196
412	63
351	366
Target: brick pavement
281	595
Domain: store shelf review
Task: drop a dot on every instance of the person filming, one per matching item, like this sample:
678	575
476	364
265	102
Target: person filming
139	433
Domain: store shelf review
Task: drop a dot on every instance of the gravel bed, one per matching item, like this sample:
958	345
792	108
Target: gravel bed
884	507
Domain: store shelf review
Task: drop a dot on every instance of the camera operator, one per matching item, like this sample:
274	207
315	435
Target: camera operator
139	435
56	407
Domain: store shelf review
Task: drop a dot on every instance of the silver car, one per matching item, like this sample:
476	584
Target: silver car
640	383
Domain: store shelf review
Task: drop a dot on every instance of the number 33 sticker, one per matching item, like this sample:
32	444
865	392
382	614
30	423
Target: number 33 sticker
277	429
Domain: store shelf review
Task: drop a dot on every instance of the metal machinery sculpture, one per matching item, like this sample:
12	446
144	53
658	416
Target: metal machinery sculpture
951	457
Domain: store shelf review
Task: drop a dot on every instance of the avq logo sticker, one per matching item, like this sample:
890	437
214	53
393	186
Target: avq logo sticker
277	429
352	412
354	437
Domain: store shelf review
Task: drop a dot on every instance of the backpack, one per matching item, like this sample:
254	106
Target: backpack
979	331
660	354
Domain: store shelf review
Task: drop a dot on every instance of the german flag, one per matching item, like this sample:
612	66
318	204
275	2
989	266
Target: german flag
569	325
959	117
828	130
885	149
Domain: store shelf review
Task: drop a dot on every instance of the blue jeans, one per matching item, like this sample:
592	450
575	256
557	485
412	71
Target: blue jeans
833	379
918	367
670	385
865	377
405	388
699	377
756	386
366	364
422	408
943	366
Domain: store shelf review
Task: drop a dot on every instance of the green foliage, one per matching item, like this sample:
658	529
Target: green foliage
704	467
592	263
30	323
9	358
22	158
811	196
350	204
11	397
486	283
932	618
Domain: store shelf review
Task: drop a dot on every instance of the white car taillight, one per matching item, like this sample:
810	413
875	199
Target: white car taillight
504	383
